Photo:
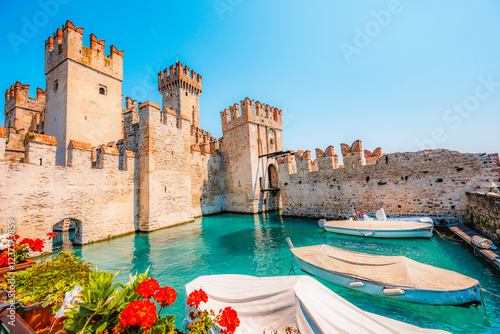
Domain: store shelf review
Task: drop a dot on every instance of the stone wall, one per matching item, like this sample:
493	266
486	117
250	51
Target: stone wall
165	169
430	182
484	213
40	196
207	183
247	135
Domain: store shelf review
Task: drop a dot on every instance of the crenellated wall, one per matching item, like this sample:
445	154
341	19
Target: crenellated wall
22	111
38	194
248	137
430	182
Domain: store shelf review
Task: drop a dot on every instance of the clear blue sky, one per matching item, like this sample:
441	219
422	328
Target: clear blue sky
397	74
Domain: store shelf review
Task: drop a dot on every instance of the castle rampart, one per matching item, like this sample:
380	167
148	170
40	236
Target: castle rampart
253	112
430	182
67	44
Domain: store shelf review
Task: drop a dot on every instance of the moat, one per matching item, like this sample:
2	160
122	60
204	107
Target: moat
255	245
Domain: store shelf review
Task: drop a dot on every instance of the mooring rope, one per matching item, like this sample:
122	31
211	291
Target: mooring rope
491	293
447	238
291	269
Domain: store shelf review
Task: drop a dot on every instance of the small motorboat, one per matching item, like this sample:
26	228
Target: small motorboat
270	304
379	229
394	277
380	216
416	227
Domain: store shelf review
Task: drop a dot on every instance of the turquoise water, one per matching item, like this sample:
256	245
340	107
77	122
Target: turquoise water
255	245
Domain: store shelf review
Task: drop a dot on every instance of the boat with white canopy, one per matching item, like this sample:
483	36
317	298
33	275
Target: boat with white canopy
269	304
394	277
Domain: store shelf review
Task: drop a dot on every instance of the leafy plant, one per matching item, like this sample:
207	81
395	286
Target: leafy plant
48	281
118	308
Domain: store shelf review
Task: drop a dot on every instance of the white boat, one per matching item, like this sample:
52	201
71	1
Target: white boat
394	277
269	304
379	229
380	216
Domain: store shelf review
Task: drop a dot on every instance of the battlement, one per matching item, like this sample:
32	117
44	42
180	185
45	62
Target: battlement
253	112
17	96
179	75
67	43
199	136
371	157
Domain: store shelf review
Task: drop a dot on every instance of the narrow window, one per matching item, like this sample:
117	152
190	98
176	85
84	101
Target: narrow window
102	90
40	161
56	86
186	93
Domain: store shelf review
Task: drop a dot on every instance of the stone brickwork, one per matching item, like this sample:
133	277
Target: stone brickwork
248	135
181	88
484	213
40	149
430	182
84	95
165	183
22	111
39	197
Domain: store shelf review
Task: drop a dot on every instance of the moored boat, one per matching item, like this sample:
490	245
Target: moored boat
394	277
271	304
379	229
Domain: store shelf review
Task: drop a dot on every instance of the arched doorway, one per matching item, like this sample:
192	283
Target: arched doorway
68	234
273	176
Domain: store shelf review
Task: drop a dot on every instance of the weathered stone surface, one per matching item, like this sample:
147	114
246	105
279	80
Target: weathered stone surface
484	213
38	197
256	131
430	182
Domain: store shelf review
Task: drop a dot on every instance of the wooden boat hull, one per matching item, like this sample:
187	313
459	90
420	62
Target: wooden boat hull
471	295
416	230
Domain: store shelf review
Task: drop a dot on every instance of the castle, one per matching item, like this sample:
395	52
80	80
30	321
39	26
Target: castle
79	151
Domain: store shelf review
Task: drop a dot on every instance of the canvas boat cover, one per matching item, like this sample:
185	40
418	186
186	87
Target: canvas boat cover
399	271
273	303
375	225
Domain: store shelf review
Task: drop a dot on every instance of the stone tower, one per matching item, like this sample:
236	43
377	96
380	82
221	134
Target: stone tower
180	88
251	178
22	111
84	90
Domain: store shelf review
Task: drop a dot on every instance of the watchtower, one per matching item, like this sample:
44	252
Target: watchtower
180	88
250	139
22	111
84	90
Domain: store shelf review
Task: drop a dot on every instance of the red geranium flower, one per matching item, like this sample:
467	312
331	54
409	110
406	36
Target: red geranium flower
4	259
166	296
37	245
27	241
13	237
140	312
51	235
147	288
196	297
229	320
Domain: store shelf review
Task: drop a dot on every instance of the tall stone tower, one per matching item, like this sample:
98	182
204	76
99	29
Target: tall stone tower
84	90
180	88
249	139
